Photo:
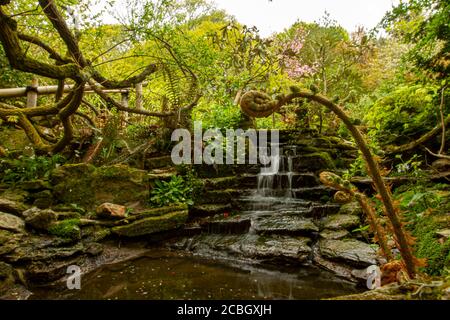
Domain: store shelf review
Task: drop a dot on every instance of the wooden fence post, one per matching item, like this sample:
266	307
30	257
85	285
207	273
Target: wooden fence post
124	101
32	93
139	99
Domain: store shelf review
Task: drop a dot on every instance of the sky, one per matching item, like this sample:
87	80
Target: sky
276	15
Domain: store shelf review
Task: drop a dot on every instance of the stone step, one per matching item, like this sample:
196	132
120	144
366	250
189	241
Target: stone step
225	170
319	193
232	225
209	209
283	224
251	246
281	180
261	203
227	196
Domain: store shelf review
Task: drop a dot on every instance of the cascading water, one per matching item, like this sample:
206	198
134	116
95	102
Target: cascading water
277	175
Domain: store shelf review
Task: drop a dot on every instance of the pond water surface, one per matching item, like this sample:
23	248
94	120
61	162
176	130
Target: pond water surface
169	275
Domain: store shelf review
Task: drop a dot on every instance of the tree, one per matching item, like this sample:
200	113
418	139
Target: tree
69	67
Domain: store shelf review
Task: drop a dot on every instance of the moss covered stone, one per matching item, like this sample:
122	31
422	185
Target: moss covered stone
67	229
152	225
313	162
89	186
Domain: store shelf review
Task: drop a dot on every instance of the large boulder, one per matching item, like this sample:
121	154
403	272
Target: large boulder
153	224
89	186
39	219
11	223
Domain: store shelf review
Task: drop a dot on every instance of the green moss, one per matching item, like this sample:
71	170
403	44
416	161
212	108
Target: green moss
428	246
67	229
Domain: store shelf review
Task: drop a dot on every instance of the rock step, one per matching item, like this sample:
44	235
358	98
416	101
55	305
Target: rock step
354	252
281	180
224	170
208	209
252	246
227	196
261	203
320	193
285	225
232	225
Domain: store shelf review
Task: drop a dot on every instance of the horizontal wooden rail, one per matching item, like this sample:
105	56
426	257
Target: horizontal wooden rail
48	90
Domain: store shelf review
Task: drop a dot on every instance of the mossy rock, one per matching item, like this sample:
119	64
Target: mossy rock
352	208
67	229
315	161
159	162
13	139
152	225
88	186
341	221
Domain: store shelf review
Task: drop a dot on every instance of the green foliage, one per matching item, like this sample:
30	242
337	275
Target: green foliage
224	116
174	191
409	167
422	205
424	24
407	110
29	168
428	246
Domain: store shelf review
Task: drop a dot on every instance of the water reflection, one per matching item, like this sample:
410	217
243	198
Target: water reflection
180	276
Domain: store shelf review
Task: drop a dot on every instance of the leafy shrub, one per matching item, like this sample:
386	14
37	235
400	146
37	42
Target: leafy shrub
175	191
407	110
29	168
223	116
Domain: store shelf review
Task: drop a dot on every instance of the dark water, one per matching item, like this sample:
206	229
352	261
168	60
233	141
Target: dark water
179	276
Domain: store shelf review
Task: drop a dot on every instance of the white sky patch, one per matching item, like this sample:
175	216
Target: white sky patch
275	16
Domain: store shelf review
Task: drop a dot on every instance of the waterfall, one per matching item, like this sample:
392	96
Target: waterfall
277	175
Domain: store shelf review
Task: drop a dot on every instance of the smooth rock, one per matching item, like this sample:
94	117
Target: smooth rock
444	233
275	248
40	219
231	225
354	252
12	207
352	208
334	234
43	199
285	224
11	223
111	211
